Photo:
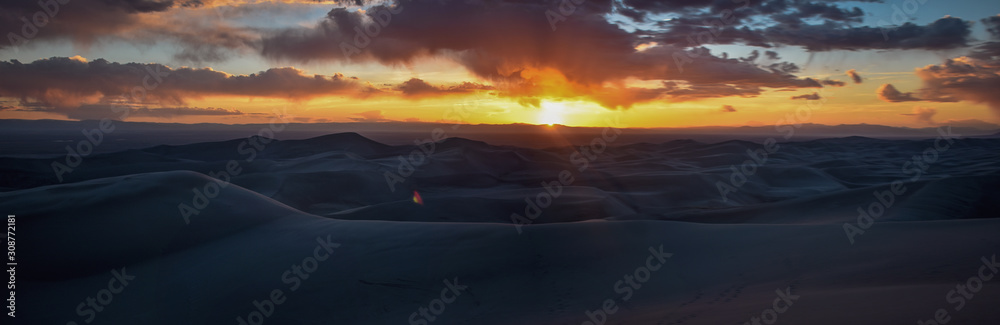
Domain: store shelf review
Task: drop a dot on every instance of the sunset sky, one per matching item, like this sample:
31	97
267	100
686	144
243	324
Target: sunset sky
666	63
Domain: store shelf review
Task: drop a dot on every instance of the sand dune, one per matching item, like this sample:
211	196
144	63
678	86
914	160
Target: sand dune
783	230
677	180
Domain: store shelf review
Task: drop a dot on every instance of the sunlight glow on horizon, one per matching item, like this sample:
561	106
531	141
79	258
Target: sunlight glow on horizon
552	113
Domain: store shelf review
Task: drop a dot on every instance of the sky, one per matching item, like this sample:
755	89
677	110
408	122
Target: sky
646	63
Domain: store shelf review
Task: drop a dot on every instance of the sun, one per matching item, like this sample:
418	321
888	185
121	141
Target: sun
552	113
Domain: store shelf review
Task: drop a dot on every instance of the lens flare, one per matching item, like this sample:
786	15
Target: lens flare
417	199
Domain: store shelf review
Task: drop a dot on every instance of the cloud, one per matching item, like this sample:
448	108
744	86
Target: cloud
854	76
68	82
817	27
418	88
65	85
728	108
200	31
986	51
510	45
964	78
973	78
889	93
677	92
992	24
833	83
923	115
168	112
827	11
944	33
513	47
813	96
369	116
745	9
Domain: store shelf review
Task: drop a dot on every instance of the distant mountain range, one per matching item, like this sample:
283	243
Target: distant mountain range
44	137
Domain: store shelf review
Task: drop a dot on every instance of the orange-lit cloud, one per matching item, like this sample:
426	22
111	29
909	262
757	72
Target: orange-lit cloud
586	57
68	84
854	76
